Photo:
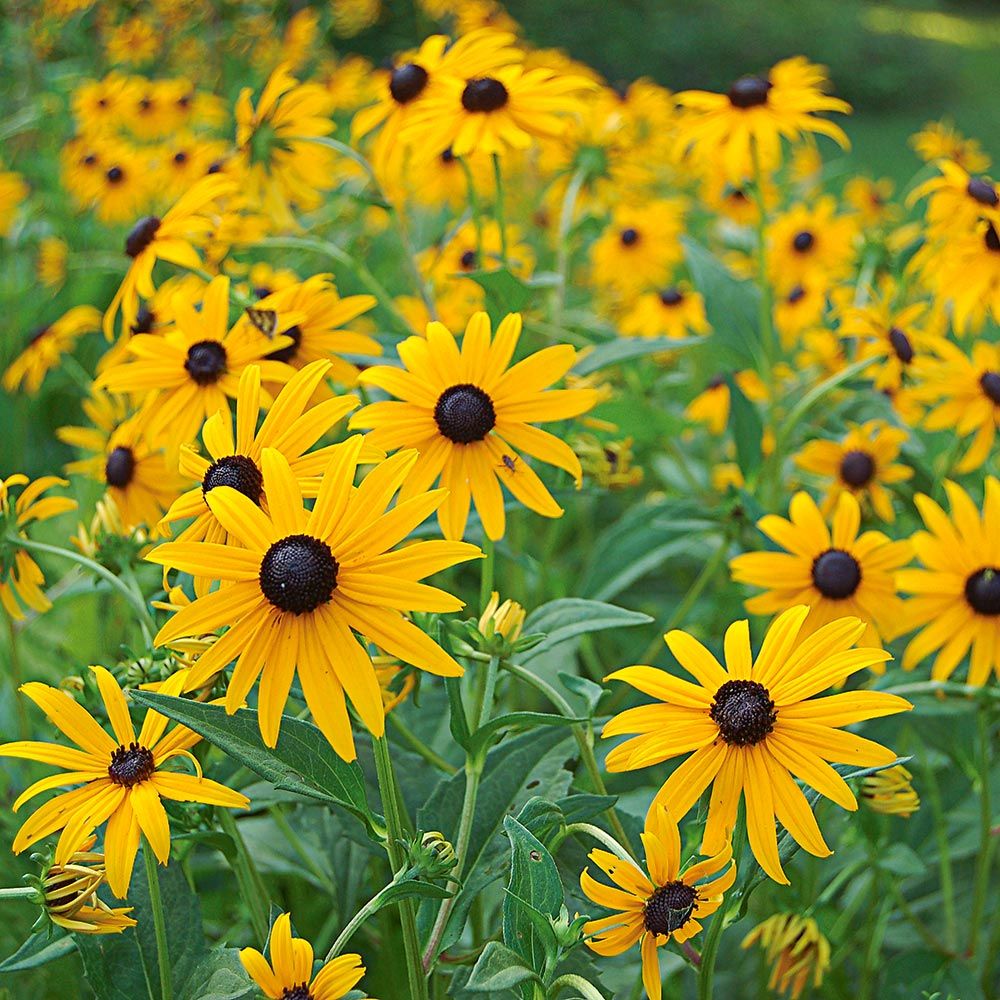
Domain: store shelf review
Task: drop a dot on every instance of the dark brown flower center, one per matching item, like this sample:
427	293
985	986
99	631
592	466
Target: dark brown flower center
672	297
749	92
142	235
131	765
857	468
238	472
298	573
120	467
206	361
115	175
37	334
629	237
901	345
797	294
144	320
484	94
983	191
300	992
992	239
836	574
468	260
982	591
448	156
803	242
407	82
464	413
744	712
669	908
989	382
288	353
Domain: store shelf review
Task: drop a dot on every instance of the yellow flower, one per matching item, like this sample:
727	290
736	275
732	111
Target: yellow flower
468	412
608	462
862	462
811	245
122	780
711	407
70	895
652	909
505	619
51	264
188	373
301	583
134	41
891	792
755	114
957	200
172	239
20	578
351	17
796	949
835	573
99	106
676	311
799	309
941	141
956	595
122	185
872	201
289	974
754	724
45	349
13	191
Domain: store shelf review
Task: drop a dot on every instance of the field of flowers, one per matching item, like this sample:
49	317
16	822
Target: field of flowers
471	529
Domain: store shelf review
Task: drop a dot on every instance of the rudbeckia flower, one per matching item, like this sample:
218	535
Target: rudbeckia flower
122	184
289	974
234	454
13	191
753	724
758	111
942	141
956	594
172	239
862	462
676	311
466	412
891	792
666	904
796	950
46	346
711	406
122	779
835	573
189	373
20	578
303	582
957	199
811	245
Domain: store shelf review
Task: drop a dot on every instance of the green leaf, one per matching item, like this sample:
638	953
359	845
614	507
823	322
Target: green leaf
498	968
902	860
614	352
569	617
746	428
302	762
40	949
731	306
506	291
584	806
457	720
534	891
516	720
584	688
124	966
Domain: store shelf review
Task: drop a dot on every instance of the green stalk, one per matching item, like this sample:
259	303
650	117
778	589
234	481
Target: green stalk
19	892
477	216
501	217
987	842
16	674
709	954
250	882
487	569
372	906
598	834
394	834
418	746
578	983
159	923
584	740
562	244
944	860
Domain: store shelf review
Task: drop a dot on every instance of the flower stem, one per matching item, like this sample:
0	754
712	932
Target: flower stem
16	673
19	892
477	217
487	569
372	906
578	983
706	971
987	842
501	218
944	857
394	834
159	923
418	746
251	885
562	244
598	834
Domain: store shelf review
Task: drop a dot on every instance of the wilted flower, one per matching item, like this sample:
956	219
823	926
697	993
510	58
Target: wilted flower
796	950
890	792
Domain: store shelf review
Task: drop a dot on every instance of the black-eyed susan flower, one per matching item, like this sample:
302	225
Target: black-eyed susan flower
121	187
963	396
281	166
289	974
302	583
21	580
321	315
13	191
70	899
796	950
711	406
797	309
489	113
234	449
751	726
50	265
122	778
833	570
942	141
46	346
863	462
610	463
138	480
172	238
957	200
871	201
667	903
189	373
469	414
956	594
640	248
891	792
675	311
757	112
811	245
